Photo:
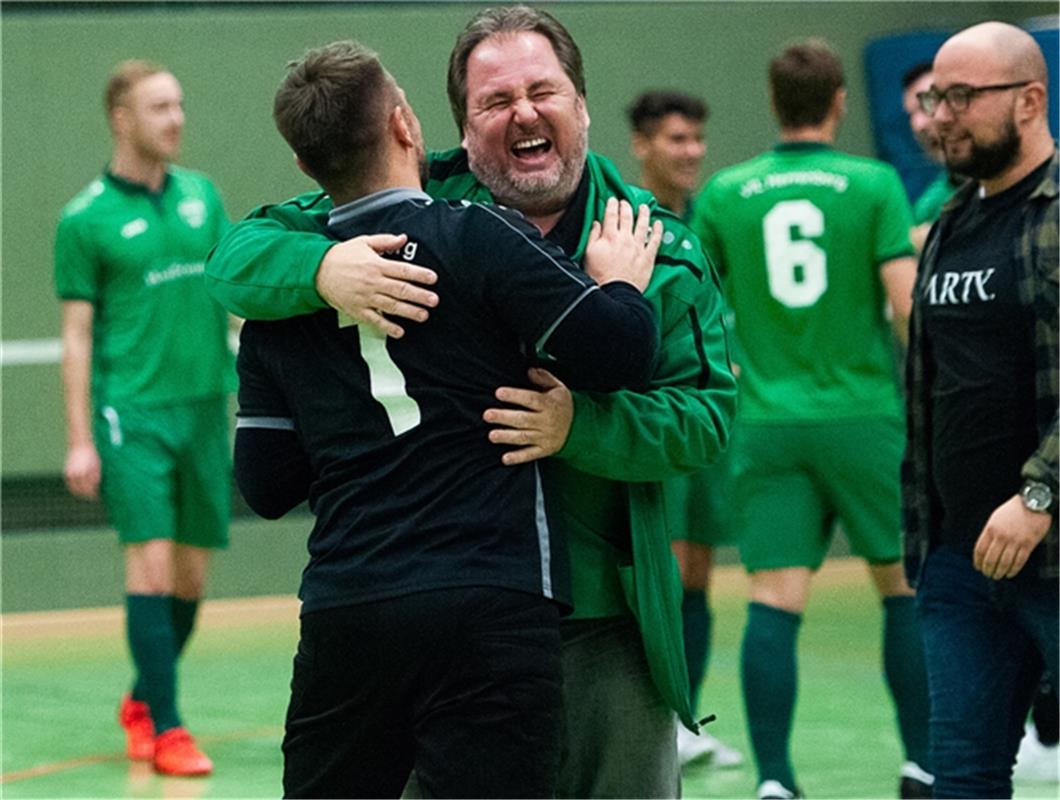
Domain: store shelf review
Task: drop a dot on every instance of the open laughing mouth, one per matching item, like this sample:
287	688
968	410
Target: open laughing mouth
531	148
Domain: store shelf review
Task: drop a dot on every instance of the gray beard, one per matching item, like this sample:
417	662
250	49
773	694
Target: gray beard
529	194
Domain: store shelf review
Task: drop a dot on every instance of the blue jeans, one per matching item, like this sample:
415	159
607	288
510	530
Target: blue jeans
986	643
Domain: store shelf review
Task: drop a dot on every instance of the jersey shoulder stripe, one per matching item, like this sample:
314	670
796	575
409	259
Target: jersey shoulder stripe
680	262
522	233
265	423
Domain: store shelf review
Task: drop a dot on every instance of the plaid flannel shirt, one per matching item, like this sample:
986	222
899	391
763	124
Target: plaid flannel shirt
1036	253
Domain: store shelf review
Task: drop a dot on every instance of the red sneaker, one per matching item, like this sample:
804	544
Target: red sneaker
176	754
135	718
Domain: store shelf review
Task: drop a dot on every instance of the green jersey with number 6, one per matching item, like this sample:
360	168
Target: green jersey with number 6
799	234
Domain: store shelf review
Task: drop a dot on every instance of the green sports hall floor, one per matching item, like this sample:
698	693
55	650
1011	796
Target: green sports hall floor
64	670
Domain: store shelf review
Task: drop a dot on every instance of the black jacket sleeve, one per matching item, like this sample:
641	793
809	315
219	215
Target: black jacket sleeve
601	338
619	323
272	470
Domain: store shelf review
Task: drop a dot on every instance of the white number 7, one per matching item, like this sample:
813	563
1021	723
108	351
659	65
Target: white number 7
388	384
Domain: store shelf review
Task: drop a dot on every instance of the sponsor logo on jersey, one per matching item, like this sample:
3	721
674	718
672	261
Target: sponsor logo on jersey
959	288
779	180
193	212
134	228
173	272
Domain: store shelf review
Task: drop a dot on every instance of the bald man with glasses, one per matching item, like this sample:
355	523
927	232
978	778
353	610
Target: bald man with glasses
980	472
959	96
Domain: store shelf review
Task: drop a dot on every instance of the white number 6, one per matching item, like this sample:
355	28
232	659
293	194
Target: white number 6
797	268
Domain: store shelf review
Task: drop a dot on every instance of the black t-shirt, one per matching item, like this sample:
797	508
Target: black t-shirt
979	340
417	498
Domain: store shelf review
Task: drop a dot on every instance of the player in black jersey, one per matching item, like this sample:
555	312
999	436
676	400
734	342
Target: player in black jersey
432	596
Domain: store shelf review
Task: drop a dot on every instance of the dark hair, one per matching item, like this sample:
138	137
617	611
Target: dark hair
332	109
915	73
803	81
124	77
510	19
649	108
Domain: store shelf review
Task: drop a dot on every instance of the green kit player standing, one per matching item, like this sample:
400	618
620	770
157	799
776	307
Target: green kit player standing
813	243
146	369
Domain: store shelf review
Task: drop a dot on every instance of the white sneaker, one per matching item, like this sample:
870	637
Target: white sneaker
691	747
775	790
914	782
1036	763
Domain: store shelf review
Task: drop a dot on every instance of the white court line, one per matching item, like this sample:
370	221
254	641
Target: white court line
20	352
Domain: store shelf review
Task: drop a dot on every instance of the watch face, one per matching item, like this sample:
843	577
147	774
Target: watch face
1037	497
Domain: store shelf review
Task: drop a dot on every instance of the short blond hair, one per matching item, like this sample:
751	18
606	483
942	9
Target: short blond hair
124	77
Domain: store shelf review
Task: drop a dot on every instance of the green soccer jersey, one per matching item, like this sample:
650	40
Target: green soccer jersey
799	234
137	256
929	205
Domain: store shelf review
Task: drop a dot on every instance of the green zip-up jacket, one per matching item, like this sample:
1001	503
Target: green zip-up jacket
604	486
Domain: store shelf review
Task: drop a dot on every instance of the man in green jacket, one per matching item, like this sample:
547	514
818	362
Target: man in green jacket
518	94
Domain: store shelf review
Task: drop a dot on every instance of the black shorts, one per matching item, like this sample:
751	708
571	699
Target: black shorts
464	685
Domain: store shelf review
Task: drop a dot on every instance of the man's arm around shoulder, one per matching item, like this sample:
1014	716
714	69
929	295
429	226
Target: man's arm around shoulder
279	262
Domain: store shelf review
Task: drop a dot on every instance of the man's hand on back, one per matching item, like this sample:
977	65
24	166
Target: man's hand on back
540	424
355	279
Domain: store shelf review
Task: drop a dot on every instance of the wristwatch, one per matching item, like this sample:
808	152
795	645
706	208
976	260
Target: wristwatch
1036	496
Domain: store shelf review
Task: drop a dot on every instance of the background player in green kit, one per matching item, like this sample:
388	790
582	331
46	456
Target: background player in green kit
813	243
146	368
668	139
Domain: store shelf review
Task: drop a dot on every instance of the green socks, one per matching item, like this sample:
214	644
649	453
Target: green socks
768	664
153	643
769	686
698	622
184	613
906	676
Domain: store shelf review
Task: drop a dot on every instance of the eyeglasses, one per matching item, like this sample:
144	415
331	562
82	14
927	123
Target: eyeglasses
959	96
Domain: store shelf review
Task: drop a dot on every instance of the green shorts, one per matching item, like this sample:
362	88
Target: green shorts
167	471
793	482
698	506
